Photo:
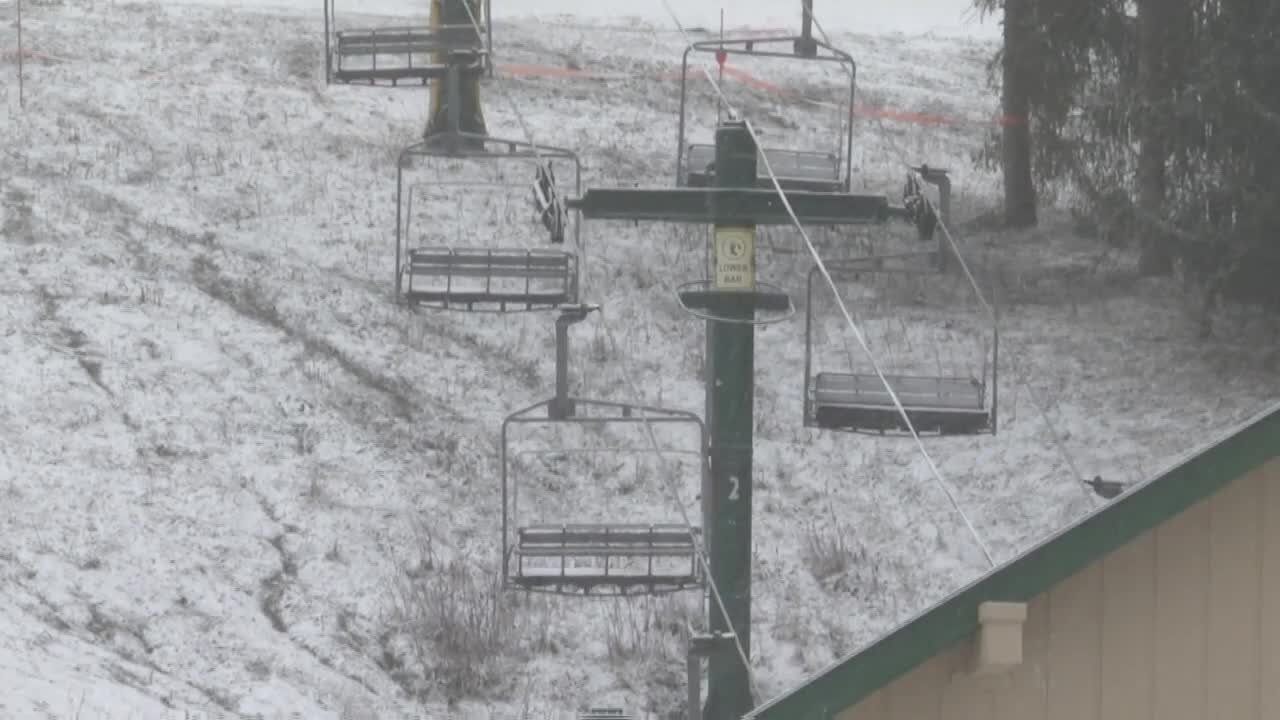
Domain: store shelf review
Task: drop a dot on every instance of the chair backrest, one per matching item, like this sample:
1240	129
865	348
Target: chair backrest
409	40
656	536
511	279
506	264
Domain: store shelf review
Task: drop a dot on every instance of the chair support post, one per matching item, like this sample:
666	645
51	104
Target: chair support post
561	407
805	46
328	51
939	179
694	680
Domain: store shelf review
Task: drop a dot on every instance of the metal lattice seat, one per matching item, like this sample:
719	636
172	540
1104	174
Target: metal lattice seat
393	55
613	559
605	714
495	280
796	169
854	401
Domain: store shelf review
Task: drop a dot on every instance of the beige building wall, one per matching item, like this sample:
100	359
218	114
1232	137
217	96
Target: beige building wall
1183	623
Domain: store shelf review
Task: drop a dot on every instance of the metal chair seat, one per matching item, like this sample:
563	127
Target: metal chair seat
618	559
796	169
860	402
483	279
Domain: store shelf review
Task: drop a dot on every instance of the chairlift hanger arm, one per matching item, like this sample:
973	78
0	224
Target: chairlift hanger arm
733	206
606	412
753	47
460	143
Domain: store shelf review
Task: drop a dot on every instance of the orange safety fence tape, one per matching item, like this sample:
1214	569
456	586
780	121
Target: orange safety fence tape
29	54
747	79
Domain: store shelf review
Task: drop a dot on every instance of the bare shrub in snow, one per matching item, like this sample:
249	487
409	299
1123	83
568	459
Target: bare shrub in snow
647	638
825	551
453	628
648	627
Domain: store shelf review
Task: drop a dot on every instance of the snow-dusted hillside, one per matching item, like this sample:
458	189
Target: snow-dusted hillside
238	481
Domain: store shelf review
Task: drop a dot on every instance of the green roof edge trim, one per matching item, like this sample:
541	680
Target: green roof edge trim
857	676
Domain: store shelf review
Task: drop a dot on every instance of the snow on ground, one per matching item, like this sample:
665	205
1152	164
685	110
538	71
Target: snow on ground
239	481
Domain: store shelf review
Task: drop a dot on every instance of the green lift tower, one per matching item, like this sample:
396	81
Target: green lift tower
732	302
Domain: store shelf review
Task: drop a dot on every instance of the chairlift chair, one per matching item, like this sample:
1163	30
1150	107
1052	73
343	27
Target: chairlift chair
598	559
796	169
938	403
392	55
488	279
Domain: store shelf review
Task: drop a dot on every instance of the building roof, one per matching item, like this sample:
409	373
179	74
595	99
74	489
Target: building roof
1193	478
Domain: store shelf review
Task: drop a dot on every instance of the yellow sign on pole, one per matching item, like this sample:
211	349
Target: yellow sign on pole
735	258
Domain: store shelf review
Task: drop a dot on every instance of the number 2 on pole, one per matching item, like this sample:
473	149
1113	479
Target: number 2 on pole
733	491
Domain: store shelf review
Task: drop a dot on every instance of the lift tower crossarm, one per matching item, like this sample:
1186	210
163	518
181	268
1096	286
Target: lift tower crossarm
734	205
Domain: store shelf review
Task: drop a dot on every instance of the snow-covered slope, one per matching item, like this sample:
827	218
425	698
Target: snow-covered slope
238	480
